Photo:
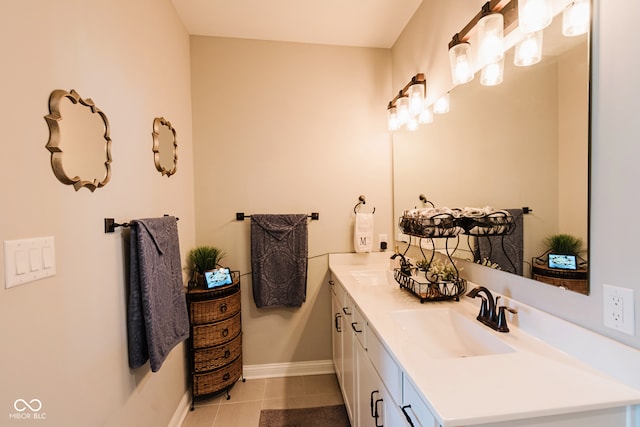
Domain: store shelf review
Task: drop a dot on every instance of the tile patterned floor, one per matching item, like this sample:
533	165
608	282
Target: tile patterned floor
248	398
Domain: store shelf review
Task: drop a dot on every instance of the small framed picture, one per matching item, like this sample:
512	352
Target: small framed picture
219	277
563	262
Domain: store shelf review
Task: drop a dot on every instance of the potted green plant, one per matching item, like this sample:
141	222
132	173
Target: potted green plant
201	259
564	244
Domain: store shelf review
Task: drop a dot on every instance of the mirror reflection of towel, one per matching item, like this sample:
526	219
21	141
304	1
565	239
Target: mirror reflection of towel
279	260
363	232
511	258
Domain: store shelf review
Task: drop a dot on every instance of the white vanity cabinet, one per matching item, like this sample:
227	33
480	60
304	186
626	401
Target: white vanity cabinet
414	407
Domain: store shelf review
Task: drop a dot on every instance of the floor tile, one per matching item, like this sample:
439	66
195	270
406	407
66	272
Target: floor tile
242	414
321	384
283	387
201	416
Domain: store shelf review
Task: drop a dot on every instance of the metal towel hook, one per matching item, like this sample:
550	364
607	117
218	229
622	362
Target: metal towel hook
424	200
362	201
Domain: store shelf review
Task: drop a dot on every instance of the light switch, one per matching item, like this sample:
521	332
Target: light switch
27	260
35	259
22	262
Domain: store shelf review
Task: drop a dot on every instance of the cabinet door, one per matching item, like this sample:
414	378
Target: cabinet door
376	407
348	360
336	336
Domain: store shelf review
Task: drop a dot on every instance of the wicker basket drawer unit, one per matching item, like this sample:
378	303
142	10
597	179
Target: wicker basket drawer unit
215	345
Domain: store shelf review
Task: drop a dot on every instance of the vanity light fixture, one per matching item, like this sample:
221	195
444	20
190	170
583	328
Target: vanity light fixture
495	19
575	18
426	116
441	106
460	60
534	15
405	108
490	37
492	74
529	50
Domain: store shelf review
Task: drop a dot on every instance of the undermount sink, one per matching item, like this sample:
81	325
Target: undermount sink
371	277
442	333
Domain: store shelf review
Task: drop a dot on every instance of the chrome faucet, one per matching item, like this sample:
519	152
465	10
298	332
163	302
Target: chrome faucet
488	316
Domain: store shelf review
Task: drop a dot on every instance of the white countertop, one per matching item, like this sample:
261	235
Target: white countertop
535	380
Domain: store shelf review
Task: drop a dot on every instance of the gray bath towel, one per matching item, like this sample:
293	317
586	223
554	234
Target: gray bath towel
157	314
511	258
279	260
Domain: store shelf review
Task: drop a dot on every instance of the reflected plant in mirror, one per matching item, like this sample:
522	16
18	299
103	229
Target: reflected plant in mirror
79	141
522	143
165	146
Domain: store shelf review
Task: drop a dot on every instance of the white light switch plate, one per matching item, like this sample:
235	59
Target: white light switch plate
27	260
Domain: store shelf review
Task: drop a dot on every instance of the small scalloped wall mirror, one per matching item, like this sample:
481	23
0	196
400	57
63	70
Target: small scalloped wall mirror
165	147
79	141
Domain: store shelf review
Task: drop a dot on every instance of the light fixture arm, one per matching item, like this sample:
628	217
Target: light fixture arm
417	79
508	9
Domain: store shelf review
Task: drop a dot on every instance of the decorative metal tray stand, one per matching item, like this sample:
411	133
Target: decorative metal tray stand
423	284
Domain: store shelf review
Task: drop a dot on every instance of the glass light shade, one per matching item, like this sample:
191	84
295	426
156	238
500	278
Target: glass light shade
402	106
460	61
492	74
441	106
490	39
426	116
575	18
529	50
416	99
392	119
412	124
534	15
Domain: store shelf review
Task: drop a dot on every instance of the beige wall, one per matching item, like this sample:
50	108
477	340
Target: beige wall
63	338
422	47
288	128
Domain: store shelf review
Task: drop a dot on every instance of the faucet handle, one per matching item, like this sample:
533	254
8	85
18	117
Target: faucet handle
502	318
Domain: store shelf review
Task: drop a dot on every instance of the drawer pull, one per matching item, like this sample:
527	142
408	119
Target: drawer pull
226	376
353	326
227	353
406	414
337	322
346	311
373	414
377	414
225	332
223	308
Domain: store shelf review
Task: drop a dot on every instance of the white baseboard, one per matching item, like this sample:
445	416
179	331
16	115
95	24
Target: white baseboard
182	410
291	369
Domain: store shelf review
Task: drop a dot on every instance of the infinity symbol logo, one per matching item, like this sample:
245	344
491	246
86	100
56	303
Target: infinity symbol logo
21	405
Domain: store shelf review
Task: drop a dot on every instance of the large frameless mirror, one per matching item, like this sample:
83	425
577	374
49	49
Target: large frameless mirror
165	146
523	143
79	141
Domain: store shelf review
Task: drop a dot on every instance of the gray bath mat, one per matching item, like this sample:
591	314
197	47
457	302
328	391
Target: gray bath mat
324	416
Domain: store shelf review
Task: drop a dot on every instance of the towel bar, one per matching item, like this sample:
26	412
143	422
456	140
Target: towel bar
110	225
240	216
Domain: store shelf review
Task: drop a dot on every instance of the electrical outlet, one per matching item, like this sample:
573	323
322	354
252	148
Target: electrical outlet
383	241
618	307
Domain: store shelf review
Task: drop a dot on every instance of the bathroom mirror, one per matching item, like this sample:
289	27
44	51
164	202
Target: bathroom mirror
523	143
165	147
79	141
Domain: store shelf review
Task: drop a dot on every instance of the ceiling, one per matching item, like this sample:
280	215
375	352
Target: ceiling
364	23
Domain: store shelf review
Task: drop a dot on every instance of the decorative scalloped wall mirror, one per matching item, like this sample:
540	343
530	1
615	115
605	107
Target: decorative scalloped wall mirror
165	147
79	131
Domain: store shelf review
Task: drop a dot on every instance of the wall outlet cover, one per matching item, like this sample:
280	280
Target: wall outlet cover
619	308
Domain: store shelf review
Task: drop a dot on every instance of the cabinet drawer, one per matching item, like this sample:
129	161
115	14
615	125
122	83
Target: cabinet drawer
217	380
216	333
387	368
211	358
214	309
414	406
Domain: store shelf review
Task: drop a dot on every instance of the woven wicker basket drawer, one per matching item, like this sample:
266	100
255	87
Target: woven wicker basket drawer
215	309
217	380
218	356
216	333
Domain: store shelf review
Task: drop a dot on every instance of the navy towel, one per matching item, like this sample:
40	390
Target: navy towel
157	314
279	260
